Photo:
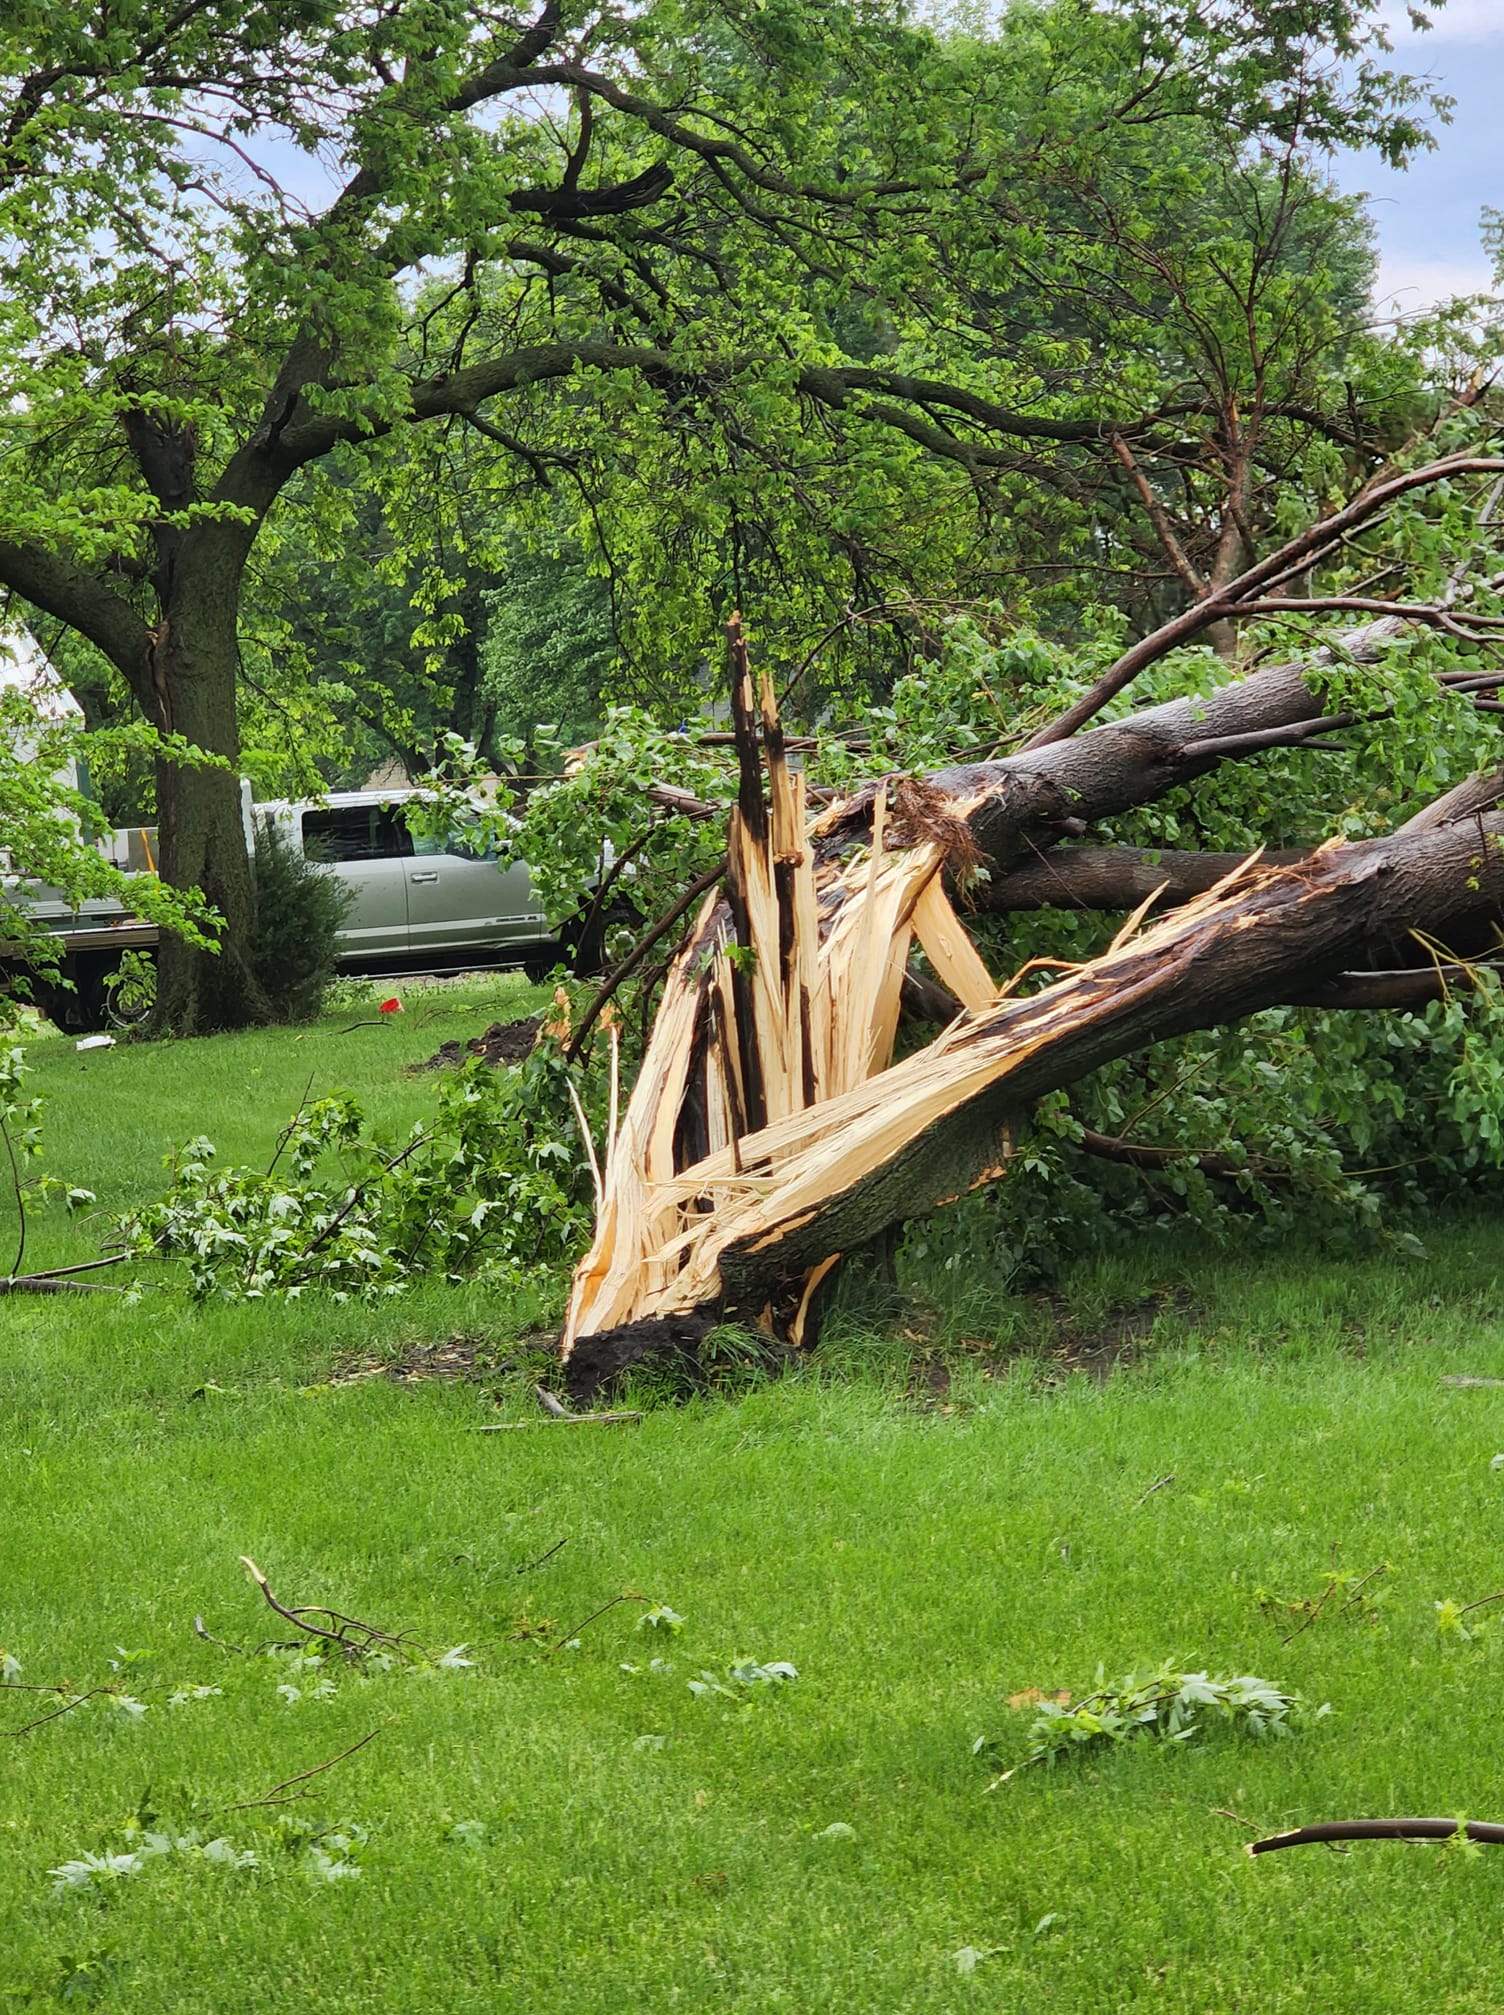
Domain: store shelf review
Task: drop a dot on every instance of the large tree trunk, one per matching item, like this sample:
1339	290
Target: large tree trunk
769	1133
194	665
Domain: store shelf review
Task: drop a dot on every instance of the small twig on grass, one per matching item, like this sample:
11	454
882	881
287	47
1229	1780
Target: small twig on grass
1334	1582
1331	1589
1482	1603
1456	1378
201	1630
558	1413
1381	1829
1222	1812
528	1565
1162	1484
273	1797
1355	1593
628	1595
67	1707
559	1420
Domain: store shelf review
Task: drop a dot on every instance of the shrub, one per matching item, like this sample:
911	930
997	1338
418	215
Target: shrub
299	909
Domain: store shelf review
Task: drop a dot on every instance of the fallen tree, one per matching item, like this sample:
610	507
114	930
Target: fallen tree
770	1134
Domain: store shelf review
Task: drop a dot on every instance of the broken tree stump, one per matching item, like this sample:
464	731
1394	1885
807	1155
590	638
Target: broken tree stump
770	1134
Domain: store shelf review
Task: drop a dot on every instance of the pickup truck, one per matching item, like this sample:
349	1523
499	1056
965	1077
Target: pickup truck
419	904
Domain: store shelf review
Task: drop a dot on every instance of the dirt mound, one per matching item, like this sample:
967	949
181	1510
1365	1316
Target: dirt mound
503	1042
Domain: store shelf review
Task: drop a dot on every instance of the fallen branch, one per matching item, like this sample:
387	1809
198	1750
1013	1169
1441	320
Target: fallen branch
77	1700
200	1629
349	1635
50	1283
1482	1603
1131	1154
1252	587
1381	1829
568	1637
528	1565
273	1796
560	1420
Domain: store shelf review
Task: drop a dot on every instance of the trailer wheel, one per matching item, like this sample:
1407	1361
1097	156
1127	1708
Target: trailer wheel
130	991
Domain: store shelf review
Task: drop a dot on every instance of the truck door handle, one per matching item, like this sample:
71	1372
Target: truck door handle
431	876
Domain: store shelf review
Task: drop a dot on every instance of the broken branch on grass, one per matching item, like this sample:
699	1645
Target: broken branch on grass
560	1420
1332	1586
1163	1484
528	1565
67	1707
51	1283
273	1797
1381	1829
1355	1593
1482	1603
200	1629
367	1637
628	1595
1335	1582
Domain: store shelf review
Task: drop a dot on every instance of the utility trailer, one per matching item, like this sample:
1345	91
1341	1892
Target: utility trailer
85	991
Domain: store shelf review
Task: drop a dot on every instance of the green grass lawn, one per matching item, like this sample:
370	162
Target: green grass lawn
547	1829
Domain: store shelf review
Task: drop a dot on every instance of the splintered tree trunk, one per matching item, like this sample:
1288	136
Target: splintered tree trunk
770	1133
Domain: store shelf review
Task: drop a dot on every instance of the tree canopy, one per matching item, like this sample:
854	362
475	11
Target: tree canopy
777	293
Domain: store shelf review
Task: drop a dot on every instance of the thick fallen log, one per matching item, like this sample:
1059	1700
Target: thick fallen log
752	1227
1112	878
1017	805
768	1134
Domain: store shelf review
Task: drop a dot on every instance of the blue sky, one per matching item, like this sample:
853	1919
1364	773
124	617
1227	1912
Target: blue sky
1427	217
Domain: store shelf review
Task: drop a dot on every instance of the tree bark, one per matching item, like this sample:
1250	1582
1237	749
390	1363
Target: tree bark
194	667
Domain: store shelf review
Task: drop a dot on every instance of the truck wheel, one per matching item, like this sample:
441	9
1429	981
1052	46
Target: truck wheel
584	941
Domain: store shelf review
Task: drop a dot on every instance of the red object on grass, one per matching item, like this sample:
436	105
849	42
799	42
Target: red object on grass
393	1006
